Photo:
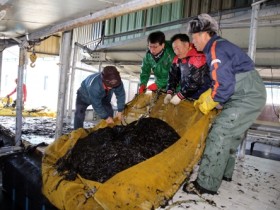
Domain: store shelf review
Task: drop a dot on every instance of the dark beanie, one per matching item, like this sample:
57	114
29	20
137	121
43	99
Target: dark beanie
111	76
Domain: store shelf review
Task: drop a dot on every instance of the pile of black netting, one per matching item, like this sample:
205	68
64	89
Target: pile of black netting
108	151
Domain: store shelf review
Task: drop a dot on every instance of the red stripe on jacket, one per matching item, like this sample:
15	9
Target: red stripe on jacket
214	71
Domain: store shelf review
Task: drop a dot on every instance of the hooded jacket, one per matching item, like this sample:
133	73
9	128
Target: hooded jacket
191	73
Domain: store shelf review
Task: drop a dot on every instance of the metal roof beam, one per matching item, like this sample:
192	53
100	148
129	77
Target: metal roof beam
263	13
111	12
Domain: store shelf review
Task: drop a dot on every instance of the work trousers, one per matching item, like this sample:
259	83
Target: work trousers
229	128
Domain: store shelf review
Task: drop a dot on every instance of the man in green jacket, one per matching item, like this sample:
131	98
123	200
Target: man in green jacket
158	60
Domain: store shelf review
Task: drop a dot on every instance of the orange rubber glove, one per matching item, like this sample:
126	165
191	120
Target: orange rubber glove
142	89
152	87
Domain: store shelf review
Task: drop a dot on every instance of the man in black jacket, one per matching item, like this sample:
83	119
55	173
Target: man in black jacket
188	71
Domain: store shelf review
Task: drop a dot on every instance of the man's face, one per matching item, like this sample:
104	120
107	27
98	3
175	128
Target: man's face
155	48
200	39
180	48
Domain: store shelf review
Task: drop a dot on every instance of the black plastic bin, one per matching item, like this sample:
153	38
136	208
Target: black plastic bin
22	182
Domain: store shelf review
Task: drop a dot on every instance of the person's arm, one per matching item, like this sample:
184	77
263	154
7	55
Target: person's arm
24	92
98	108
15	90
222	73
120	95
96	95
145	71
173	78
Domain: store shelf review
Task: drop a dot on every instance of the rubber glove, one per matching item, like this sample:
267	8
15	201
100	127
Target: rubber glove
152	87
207	105
202	98
175	100
167	99
205	102
142	89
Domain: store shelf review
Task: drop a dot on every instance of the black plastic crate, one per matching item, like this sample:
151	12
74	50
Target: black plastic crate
22	182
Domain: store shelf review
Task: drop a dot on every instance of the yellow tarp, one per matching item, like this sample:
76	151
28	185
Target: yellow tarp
27	113
146	185
10	111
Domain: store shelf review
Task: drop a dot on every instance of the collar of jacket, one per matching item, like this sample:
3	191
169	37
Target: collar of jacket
158	56
209	43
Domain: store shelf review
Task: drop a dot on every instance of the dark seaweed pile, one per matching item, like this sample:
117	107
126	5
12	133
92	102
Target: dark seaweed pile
108	151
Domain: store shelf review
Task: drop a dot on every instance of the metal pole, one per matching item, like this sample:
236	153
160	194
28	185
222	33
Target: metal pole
73	71
252	54
1	62
87	70
65	52
19	104
253	31
258	2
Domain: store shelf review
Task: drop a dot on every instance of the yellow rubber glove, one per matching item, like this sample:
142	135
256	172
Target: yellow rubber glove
202	98
205	103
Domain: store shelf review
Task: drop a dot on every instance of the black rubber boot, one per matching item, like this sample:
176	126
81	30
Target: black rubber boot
194	188
227	179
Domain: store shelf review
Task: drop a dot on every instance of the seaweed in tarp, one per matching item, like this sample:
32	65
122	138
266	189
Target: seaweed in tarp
107	151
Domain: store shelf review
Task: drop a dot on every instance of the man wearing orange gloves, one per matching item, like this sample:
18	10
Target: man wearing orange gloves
157	60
